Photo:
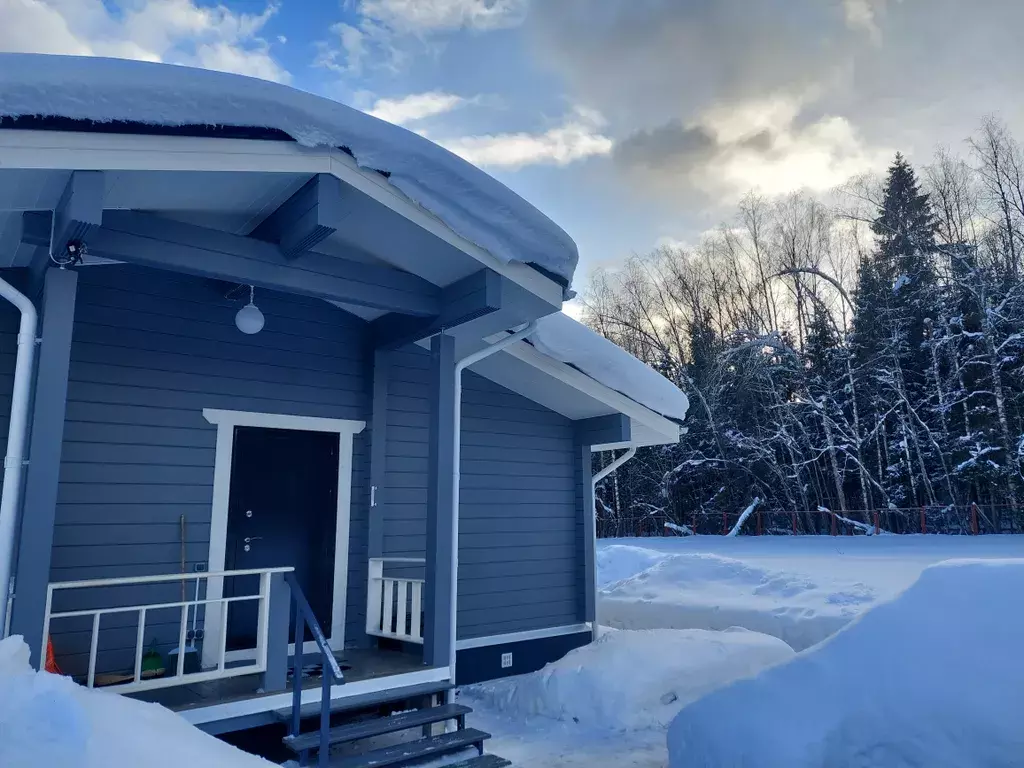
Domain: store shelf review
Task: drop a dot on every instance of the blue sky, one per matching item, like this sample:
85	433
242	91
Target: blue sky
631	123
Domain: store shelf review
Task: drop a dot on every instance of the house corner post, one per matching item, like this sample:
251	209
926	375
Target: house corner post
586	514
378	451
35	543
440	597
615	429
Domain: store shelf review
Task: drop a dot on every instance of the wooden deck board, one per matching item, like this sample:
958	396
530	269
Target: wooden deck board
361	663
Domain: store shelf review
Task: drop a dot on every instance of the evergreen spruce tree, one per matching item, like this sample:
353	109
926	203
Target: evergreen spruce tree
904	267
822	340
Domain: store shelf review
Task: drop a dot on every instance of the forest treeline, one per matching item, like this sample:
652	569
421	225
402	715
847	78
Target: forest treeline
858	353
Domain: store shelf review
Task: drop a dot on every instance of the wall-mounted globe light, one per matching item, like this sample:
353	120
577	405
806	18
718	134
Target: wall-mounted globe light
249	318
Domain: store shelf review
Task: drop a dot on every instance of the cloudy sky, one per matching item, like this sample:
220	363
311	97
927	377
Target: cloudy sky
630	122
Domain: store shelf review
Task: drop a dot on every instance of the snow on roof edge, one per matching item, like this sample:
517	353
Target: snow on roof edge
562	338
470	202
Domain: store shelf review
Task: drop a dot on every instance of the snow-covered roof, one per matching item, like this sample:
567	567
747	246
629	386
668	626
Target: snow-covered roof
564	339
470	202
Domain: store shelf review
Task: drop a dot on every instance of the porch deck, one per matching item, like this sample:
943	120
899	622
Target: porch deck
358	665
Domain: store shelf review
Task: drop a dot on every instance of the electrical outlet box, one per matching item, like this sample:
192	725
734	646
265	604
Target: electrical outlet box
506	660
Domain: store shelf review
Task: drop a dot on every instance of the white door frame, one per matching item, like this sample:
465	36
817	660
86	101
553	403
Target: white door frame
226	421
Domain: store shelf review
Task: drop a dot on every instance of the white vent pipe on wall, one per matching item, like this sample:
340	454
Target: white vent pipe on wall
460	366
595	630
16	433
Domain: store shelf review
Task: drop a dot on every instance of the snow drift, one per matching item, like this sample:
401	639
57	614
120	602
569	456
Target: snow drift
471	203
933	678
618	562
48	720
633	680
706	591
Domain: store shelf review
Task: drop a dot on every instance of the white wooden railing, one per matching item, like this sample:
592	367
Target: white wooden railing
394	605
139	682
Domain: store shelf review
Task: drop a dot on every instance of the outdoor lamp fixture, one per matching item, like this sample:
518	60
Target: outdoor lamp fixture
249	318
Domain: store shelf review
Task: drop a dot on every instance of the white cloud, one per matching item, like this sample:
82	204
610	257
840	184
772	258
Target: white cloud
818	157
578	138
387	33
672	243
735	122
864	15
174	31
417	106
575	140
348	58
765	144
444	15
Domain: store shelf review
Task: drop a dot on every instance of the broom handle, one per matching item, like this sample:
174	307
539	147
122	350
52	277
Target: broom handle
195	609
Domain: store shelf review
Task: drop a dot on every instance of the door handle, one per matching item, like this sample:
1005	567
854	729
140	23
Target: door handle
250	539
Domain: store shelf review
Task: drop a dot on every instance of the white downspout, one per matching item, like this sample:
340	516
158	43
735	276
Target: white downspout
460	366
595	630
16	433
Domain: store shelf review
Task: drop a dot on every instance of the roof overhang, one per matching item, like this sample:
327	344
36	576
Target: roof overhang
232	186
564	389
385	226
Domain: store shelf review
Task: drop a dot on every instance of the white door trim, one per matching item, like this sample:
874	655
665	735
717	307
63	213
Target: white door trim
226	421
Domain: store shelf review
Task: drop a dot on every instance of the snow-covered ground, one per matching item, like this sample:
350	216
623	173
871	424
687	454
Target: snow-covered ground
48	721
609	703
824	582
933	678
656	673
799	589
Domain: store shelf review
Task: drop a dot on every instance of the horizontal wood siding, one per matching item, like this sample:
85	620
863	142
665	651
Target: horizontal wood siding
150	350
518	554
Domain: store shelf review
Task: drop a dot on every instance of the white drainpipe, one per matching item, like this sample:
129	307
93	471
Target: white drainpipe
460	366
595	630
16	432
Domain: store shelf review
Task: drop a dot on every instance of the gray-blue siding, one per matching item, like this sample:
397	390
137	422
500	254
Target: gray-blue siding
150	351
519	566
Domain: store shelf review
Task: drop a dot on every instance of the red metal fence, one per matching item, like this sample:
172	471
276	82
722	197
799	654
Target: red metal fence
966	520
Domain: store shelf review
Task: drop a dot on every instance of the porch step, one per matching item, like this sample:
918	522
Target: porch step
482	761
312	709
379	726
403	754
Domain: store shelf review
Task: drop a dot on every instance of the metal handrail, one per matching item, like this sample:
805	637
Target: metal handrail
304	617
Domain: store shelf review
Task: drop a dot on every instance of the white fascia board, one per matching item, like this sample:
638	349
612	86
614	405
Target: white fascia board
521	637
657	423
63	150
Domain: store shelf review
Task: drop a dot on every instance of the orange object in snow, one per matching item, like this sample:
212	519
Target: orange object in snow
51	662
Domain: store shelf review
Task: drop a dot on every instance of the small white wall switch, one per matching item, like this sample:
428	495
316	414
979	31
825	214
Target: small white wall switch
506	660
